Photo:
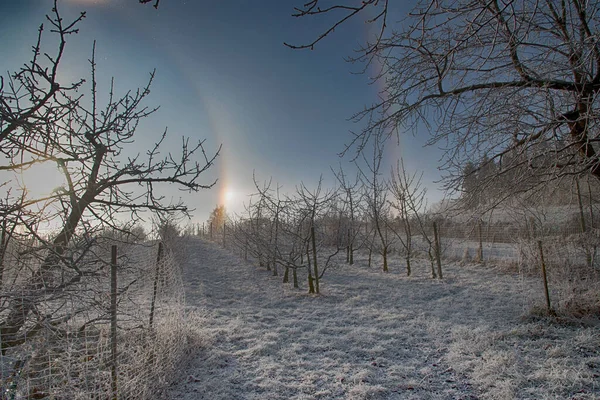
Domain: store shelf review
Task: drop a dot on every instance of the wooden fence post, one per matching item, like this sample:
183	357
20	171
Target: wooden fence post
156	277
351	251
480	250
545	278
113	321
438	251
348	248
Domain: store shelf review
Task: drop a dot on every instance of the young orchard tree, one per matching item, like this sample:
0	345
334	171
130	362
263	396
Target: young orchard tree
376	192
313	204
275	206
369	235
256	230
408	199
350	196
273	231
253	230
261	234
516	81
103	178
294	231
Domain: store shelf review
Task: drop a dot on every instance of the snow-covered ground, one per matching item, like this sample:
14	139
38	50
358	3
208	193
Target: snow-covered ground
372	335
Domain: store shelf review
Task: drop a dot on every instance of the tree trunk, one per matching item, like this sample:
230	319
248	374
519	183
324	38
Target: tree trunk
431	261
311	287
295	277
438	250
348	248
480	250
385	260
314	249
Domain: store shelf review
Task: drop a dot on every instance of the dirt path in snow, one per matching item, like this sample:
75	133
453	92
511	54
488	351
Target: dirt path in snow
368	336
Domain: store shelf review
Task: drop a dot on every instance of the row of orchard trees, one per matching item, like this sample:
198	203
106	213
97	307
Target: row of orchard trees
309	230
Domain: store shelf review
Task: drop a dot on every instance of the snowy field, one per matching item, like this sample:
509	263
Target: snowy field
371	335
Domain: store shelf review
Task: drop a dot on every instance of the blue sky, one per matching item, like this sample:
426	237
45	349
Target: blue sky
223	73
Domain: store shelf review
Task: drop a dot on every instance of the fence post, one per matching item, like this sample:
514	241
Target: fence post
113	321
224	225
545	278
351	250
348	248
480	250
156	276
438	252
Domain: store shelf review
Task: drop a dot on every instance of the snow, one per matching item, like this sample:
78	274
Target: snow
372	335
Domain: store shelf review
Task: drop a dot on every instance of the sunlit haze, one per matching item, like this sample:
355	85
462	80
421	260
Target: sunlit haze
222	74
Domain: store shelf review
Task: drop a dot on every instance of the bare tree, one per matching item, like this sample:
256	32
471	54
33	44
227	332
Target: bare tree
313	205
32	101
516	81
351	198
409	201
103	178
275	206
376	192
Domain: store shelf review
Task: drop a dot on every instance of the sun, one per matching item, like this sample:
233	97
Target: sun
228	197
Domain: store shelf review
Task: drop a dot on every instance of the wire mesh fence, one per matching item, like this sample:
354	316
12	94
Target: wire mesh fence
561	242
64	347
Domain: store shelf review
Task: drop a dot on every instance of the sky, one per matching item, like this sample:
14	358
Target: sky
223	74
